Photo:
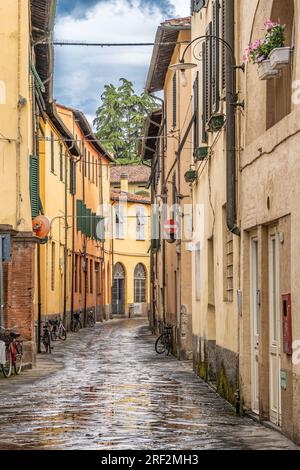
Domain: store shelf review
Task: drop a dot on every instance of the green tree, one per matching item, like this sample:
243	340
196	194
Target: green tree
120	119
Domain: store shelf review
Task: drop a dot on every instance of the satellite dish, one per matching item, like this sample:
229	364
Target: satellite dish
41	226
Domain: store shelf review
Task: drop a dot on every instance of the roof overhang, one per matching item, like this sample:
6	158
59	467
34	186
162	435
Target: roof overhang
90	136
165	42
152	128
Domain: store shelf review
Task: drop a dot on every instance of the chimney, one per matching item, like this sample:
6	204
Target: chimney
124	182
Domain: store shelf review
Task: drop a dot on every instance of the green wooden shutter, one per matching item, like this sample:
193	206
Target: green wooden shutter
216	57
88	222
34	185
73	177
196	112
84	220
204	93
93	224
79	215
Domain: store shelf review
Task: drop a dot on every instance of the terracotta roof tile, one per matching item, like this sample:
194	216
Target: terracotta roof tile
136	173
115	196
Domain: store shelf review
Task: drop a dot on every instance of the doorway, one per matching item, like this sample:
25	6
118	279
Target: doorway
118	290
255	324
274	330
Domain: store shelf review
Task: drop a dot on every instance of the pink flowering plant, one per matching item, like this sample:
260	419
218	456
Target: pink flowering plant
260	49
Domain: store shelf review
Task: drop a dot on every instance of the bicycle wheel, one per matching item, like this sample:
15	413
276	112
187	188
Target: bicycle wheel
160	344
168	346
18	358
47	342
54	334
7	367
62	333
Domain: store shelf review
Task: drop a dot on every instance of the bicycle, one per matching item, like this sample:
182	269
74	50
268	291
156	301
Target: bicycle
164	341
46	338
91	318
76	324
13	352
58	330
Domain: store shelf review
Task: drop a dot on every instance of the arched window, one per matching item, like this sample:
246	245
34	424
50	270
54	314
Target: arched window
139	284
279	89
140	223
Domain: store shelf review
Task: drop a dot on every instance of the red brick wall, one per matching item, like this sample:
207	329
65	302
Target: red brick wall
19	290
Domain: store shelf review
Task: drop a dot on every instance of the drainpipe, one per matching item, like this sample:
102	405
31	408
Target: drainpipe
230	123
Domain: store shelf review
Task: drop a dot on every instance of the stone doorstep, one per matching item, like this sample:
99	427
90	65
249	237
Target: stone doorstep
250	414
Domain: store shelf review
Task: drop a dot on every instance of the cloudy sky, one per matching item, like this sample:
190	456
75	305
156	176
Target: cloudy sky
82	72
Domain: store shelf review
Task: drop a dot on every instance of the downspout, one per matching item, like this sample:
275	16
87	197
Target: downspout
230	123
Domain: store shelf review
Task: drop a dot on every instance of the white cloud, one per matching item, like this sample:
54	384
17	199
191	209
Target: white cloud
182	8
81	73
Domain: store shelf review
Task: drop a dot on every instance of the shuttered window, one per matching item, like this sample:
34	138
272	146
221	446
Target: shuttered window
174	100
215	79
204	92
79	211
196	112
34	185
52	153
73	177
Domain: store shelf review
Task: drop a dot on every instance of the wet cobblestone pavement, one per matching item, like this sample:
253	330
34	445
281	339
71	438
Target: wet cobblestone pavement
114	392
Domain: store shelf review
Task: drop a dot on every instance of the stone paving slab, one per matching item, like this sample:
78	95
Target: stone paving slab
106	388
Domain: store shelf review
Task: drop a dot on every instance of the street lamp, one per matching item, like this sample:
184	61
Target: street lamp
182	65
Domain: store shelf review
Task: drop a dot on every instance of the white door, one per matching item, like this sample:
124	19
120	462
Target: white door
255	324
274	330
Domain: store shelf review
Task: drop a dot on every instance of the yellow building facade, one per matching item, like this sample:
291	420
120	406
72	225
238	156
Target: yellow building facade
21	25
130	256
168	136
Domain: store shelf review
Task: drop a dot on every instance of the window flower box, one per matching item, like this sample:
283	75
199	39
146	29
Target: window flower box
190	176
215	123
200	154
265	70
280	57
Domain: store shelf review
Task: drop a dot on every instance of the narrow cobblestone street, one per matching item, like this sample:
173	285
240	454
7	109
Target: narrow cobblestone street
107	389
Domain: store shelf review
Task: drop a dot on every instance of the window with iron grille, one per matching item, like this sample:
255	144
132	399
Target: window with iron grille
140	284
228	261
229	266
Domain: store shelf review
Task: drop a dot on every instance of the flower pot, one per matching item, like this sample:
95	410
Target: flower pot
190	176
265	71
280	57
216	123
200	154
